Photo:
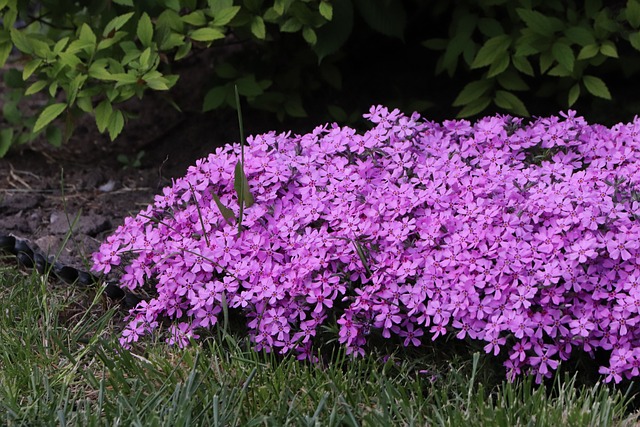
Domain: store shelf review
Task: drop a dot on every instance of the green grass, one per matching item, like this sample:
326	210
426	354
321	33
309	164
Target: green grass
60	364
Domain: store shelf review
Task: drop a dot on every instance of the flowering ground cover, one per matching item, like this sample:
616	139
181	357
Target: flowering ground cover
524	236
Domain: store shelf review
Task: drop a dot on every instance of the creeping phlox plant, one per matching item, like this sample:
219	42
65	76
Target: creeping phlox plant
523	236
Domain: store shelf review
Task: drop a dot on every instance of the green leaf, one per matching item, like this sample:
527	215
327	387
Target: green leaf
6	139
214	98
563	54
206	34
574	93
69	59
472	92
337	113
634	39
48	115
12	78
84	103
224	16
538	22
257	28
124	2
291	25
145	30
523	65
326	10
116	23
53	88
11	114
499	65
87	36
293	107
60	44
633	13
156	83
144	58
474	107
197	18
98	71
279	6
183	50
103	113
271	16
546	60
530	43
54	136
247	86
588	51
362	256
609	49
116	38
309	35
592	7
490	50
225	70
227	213
116	124
559	71
604	22
241	185
453	50
21	41
435	44
5	50
510	102
335	33
387	17
580	36
36	87
74	87
490	27
596	86
511	81
216	6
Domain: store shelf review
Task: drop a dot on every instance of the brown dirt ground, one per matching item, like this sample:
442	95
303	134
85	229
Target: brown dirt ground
68	199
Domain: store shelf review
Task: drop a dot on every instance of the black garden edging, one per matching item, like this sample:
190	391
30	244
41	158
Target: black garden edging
30	255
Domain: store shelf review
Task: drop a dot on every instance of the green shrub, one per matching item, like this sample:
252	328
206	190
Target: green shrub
90	57
551	49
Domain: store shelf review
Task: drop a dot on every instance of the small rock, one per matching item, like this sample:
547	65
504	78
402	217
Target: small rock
108	186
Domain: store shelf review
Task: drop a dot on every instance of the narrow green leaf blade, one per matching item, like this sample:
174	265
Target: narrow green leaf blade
241	185
227	213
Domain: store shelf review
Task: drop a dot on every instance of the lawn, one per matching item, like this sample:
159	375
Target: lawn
61	364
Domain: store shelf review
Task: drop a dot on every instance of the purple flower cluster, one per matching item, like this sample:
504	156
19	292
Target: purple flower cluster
523	236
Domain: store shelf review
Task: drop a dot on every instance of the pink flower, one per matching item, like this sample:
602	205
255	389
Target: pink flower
460	227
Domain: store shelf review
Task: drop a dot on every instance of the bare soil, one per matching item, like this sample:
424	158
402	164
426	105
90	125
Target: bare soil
68	199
